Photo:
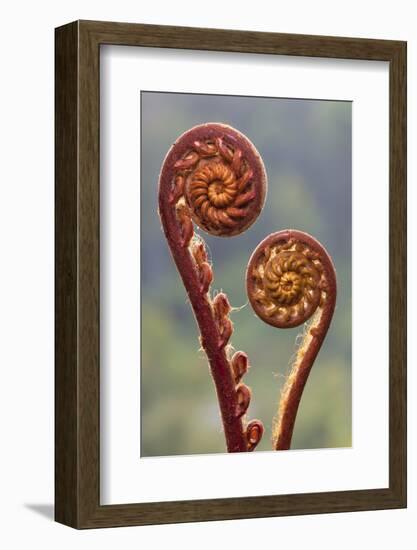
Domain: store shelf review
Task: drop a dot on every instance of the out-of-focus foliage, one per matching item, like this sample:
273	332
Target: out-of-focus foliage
306	148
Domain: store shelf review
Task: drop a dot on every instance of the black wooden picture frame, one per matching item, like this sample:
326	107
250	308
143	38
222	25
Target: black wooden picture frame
77	404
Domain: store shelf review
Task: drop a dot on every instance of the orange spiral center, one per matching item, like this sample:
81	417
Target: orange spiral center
215	198
288	277
215	184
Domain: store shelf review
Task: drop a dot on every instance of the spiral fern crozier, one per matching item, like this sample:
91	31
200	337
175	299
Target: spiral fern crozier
286	281
222	178
291	279
213	176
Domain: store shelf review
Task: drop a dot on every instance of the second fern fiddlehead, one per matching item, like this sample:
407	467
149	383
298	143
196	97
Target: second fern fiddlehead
214	176
291	279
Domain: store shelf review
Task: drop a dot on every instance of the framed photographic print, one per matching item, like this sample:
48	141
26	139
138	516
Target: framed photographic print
230	274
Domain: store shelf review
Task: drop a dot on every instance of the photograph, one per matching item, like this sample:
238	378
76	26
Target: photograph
209	248
230	274
246	230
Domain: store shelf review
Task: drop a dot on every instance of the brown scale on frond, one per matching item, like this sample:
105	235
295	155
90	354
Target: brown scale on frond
254	433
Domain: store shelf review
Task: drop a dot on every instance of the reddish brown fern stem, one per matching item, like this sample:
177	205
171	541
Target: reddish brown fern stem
213	175
290	279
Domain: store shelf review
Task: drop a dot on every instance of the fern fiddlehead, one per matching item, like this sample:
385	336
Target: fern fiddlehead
213	176
291	279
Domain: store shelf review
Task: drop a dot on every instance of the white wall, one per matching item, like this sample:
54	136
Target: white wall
26	273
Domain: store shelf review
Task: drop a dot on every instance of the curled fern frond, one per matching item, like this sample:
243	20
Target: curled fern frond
291	279
213	177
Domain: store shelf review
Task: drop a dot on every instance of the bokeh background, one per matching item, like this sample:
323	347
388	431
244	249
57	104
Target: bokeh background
306	148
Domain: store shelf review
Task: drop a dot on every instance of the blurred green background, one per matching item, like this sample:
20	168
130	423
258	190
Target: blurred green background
306	148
